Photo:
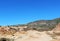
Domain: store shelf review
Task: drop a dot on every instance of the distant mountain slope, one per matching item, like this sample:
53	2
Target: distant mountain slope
43	24
40	25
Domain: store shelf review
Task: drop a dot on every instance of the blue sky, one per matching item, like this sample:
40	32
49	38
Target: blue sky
24	11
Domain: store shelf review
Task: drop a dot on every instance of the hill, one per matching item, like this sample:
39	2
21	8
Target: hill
43	24
40	25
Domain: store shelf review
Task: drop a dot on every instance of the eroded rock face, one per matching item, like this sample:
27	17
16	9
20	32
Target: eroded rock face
11	30
57	29
7	31
11	33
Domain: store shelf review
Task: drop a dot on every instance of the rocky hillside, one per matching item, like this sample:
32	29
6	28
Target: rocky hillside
18	33
40	25
12	34
43	24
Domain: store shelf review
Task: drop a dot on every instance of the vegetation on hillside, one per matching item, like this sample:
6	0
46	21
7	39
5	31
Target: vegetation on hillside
40	25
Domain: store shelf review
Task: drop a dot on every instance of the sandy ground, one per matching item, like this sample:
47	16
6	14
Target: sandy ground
32	35
35	36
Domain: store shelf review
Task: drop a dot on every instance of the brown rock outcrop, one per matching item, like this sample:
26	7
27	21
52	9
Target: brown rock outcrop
57	29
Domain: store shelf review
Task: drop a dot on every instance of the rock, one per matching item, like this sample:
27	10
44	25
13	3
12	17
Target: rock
56	30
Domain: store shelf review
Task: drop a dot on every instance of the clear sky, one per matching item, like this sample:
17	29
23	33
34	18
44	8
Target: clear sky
24	11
